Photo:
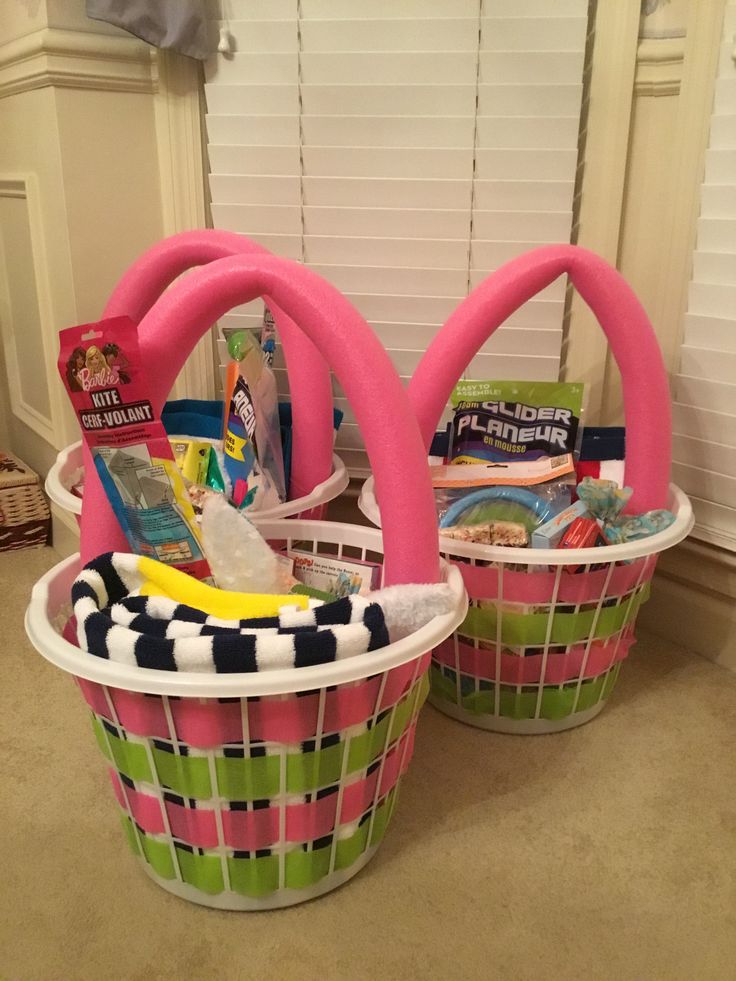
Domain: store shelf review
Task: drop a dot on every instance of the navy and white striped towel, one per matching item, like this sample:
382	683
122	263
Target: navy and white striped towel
158	632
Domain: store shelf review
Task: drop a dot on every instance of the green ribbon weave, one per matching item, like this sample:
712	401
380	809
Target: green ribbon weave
530	629
557	703
258	777
255	877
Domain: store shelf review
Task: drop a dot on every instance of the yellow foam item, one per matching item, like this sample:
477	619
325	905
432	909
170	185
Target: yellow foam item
163	580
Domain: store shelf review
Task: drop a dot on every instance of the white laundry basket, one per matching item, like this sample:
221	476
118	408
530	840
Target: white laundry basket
135	295
255	791
541	648
68	470
542	645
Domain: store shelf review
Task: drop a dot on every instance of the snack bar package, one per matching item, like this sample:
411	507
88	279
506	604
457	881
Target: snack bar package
333	576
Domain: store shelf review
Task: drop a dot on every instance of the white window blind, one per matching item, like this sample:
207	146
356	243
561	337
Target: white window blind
705	388
403	151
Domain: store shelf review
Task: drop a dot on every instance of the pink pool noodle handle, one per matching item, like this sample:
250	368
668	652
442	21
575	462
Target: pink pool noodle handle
361	365
309	376
312	423
626	325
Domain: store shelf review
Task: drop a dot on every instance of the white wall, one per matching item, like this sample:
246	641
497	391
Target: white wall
88	180
651	235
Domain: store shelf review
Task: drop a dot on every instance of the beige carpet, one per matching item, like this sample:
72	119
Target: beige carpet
605	852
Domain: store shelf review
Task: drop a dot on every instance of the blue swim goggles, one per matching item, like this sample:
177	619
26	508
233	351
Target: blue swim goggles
540	509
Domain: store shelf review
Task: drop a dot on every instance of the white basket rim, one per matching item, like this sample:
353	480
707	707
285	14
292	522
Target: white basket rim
679	529
323	493
68	657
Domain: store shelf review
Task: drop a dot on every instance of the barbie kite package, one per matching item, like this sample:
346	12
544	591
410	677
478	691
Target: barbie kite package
102	370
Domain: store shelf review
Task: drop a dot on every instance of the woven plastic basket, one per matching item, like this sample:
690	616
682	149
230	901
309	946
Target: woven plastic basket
68	468
541	647
318	475
255	791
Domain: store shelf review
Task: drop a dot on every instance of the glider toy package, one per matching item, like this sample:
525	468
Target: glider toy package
102	371
511	454
503	421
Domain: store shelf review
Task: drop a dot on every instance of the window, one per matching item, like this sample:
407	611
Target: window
403	151
705	389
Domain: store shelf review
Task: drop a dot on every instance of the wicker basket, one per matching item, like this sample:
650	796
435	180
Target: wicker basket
25	520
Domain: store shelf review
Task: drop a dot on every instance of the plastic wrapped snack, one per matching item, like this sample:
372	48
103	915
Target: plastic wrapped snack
631	528
604	499
240	558
503	533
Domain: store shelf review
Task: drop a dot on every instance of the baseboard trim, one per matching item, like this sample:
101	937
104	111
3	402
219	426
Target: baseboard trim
64	531
693	618
693	601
